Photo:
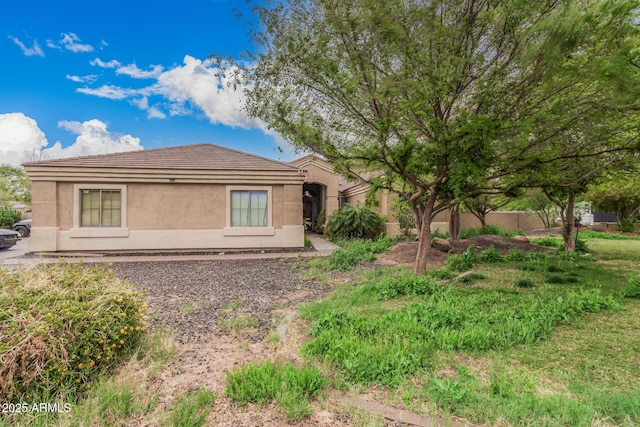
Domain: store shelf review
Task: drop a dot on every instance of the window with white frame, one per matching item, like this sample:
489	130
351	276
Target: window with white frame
249	208
100	208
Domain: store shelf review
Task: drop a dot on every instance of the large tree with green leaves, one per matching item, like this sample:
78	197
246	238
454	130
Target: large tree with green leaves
436	96
15	186
619	192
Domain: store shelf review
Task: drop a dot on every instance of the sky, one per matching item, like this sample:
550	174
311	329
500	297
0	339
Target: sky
80	78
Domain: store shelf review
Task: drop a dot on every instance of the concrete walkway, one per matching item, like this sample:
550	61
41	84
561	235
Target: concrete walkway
322	247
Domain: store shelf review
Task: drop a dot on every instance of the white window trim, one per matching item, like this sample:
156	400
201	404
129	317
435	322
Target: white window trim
249	231
78	231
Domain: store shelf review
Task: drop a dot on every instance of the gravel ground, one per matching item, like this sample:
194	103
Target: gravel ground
198	298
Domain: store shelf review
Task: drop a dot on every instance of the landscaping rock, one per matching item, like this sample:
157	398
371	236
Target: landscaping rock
521	239
441	244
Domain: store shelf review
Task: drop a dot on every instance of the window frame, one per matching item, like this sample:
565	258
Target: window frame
79	230
267	230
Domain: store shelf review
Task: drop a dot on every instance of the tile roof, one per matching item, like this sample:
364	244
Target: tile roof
194	157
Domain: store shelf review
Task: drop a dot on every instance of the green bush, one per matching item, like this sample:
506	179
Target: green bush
8	217
516	255
291	387
629	225
355	222
548	241
62	327
320	221
632	290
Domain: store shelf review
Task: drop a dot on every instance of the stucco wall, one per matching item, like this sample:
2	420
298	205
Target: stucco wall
164	216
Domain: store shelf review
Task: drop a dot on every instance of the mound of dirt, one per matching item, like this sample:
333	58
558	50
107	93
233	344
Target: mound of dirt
404	253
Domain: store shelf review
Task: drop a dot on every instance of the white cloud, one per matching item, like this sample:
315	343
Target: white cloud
22	140
36	50
20	137
83	79
133	71
93	138
53	45
71	42
155	113
199	83
100	63
110	92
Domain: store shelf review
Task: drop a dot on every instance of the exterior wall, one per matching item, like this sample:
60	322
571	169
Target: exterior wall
508	220
319	171
163	216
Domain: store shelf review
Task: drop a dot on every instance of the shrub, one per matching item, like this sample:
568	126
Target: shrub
355	222
8	217
548	241
62	327
490	255
440	234
471	278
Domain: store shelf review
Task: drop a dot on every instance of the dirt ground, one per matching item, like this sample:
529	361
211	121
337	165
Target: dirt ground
199	301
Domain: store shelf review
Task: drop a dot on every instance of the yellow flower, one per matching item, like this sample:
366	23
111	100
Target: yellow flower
113	346
122	331
99	357
137	328
78	380
121	341
73	356
123	314
126	327
91	362
144	305
95	314
120	299
80	365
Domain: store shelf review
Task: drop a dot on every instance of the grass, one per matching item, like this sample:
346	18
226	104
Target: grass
289	386
237	323
190	410
513	350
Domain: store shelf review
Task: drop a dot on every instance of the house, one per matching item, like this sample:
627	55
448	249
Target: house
191	197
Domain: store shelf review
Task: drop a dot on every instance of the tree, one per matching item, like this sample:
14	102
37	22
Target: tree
15	186
436	96
619	193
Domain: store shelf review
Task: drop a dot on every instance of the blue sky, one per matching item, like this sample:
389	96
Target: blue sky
80	77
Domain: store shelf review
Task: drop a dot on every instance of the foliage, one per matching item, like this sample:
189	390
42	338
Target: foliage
190	410
14	185
8	217
490	255
377	344
439	97
291	387
548	241
544	208
619	193
487	229
404	215
462	262
590	234
355	222
354	252
321	221
64	326
633	288
515	255
525	283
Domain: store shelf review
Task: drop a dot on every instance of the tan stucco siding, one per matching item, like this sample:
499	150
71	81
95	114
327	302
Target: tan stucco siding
176	206
44	208
65	205
317	175
291	205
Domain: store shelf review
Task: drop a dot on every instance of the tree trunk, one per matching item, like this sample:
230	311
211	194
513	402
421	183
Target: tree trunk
424	236
454	223
568	228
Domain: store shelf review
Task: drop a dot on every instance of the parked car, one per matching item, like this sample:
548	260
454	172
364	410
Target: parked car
23	227
8	238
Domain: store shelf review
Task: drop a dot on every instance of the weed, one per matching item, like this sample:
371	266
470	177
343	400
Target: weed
354	252
237	323
590	234
515	255
291	387
307	242
471	278
490	255
487	229
462	262
549	241
632	290
186	309
234	304
447	392
191	410
525	283
553	268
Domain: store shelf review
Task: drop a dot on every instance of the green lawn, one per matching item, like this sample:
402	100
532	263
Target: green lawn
564	351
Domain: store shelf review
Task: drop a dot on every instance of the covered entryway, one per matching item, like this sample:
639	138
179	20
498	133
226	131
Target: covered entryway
313	202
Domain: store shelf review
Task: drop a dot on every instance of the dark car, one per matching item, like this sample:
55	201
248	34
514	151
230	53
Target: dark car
8	238
23	227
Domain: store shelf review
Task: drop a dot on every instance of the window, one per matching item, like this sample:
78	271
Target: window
249	209
100	208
